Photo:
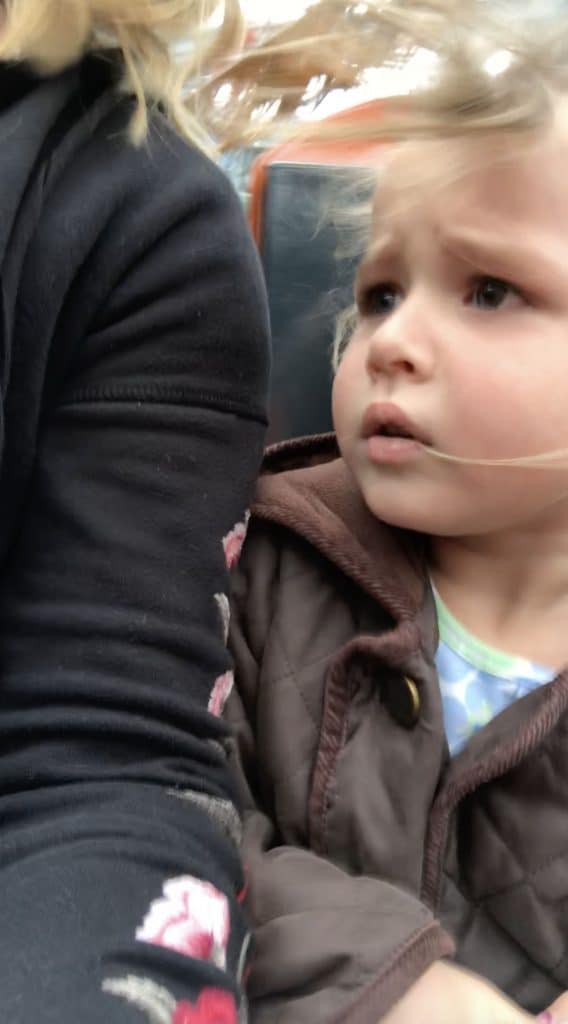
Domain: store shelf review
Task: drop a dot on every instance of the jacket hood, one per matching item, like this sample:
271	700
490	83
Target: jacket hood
306	486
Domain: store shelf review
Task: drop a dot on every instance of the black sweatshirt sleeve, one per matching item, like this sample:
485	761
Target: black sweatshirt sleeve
119	867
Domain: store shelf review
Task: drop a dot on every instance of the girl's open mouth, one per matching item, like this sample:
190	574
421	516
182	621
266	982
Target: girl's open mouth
390	436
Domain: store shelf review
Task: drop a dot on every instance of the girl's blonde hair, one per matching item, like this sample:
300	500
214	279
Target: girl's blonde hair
497	70
338	41
53	34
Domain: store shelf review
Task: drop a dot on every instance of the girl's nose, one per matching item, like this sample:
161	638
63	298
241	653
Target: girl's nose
402	344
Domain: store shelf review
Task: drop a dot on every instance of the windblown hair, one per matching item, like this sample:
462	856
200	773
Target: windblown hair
497	73
338	41
500	68
53	34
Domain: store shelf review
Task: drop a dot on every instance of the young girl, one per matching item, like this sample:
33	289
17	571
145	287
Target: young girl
400	608
130	300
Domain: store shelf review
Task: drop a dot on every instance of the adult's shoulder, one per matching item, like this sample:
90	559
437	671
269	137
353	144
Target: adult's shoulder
103	233
69	150
93	141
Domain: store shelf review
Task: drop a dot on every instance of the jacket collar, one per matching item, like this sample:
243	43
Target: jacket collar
306	486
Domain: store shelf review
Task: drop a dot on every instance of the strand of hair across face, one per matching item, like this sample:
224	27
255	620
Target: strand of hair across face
554	459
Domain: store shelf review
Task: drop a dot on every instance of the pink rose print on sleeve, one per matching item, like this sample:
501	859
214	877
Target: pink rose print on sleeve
224	609
220	694
213	1006
234	540
192	918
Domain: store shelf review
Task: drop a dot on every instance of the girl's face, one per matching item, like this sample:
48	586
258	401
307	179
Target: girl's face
462	342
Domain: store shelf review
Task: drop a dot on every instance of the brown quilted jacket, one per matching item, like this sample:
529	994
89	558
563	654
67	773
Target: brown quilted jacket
370	853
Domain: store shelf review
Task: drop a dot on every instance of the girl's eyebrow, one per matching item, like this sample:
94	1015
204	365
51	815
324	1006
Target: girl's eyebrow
514	253
381	249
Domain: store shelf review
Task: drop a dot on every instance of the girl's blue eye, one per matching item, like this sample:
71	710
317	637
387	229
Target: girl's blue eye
491	293
380	300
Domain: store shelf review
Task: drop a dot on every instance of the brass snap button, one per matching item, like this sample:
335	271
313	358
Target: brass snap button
412	712
402	698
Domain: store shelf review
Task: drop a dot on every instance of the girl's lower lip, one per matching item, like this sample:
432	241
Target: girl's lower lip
392	451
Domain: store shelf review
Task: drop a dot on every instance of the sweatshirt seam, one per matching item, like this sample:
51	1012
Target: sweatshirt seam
404	950
160	396
423	936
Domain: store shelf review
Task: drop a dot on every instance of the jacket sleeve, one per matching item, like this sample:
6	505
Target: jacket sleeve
328	946
120	870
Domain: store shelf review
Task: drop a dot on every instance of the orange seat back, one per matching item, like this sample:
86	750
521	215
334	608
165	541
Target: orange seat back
344	152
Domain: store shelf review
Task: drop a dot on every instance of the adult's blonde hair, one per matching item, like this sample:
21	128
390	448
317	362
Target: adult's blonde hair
167	46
